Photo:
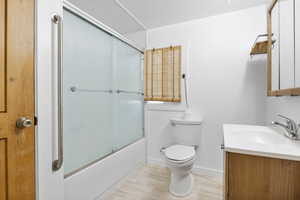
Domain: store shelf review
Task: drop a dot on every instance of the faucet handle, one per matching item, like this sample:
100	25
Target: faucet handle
291	127
286	118
290	123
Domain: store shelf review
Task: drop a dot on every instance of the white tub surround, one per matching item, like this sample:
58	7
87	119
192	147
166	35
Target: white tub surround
95	180
260	141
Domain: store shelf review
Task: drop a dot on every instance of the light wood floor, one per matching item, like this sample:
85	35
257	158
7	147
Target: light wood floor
151	183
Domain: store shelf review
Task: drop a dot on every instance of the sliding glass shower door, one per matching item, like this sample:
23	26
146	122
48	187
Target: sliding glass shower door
129	98
102	97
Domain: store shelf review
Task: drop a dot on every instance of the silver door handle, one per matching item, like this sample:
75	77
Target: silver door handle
24	122
57	21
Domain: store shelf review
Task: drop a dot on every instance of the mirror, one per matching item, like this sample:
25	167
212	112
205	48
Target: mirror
275	48
286	42
283	44
297	43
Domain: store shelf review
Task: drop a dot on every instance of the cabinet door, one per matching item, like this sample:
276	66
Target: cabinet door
275	48
297	43
286	9
260	178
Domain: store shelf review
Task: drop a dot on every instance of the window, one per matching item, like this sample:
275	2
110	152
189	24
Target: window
163	74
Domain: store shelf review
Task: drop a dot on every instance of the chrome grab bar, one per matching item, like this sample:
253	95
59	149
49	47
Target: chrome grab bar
75	89
129	92
57	21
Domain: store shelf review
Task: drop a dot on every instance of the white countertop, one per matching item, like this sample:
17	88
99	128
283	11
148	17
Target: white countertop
260	141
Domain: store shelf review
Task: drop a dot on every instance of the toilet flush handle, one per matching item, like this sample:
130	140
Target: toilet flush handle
162	150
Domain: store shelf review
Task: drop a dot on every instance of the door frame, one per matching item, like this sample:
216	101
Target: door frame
49	184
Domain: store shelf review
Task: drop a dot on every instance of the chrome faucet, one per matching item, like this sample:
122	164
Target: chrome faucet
291	127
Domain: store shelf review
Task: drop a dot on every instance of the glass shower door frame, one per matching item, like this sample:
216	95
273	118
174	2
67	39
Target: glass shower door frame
78	12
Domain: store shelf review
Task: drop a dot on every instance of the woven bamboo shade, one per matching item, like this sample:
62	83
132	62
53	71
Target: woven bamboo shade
163	74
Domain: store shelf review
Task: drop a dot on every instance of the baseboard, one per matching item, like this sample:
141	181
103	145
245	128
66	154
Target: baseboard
196	169
207	171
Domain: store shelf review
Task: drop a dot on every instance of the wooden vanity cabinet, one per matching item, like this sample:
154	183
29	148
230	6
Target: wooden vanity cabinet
250	177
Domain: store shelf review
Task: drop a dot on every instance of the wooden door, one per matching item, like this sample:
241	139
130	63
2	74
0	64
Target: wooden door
17	145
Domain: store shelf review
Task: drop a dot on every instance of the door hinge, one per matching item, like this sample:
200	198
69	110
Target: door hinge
222	146
35	121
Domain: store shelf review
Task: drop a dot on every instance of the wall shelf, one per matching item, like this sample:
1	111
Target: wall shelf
260	47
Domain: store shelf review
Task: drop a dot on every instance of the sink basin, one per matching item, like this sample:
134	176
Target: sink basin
260	140
259	137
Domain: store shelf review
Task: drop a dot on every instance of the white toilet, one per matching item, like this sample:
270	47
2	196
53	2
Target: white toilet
180	156
180	160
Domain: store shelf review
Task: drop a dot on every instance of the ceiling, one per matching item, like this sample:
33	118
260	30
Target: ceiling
109	13
156	13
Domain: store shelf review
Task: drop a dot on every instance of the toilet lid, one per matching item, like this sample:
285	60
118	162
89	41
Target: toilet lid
180	152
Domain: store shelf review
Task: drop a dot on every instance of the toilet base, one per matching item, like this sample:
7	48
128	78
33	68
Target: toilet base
181	185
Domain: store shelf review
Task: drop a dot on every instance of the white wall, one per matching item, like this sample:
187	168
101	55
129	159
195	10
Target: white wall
226	85
49	184
288	106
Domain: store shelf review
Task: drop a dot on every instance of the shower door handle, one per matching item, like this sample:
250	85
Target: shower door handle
57	56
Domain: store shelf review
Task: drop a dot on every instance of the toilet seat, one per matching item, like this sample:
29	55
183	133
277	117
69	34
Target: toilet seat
180	153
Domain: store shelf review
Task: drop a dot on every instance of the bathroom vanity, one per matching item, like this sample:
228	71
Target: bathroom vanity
260	163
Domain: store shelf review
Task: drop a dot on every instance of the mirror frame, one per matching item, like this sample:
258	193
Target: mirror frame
270	92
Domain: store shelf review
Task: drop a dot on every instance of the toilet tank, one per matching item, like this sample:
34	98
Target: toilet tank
186	133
